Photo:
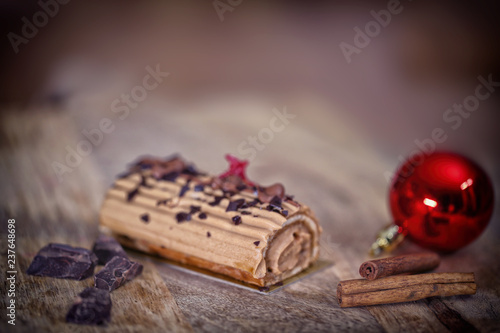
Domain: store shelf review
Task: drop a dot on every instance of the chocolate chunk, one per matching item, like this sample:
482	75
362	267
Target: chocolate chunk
181	217
216	201
162	202
202	216
144	183
256	243
190	170
276	202
209	234
253	203
116	272
194	209
237	220
106	247
184	189
92	307
234	205
199	188
245	212
171	176
132	194
145	217
63	262
284	213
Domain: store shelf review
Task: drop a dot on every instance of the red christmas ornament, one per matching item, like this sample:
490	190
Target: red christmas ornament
443	201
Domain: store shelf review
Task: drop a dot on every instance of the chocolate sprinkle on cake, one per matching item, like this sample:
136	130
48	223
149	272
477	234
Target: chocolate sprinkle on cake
216	201
237	220
209	234
202	216
145	218
162	202
256	243
234	205
194	209
245	212
132	194
181	217
184	189
171	176
199	188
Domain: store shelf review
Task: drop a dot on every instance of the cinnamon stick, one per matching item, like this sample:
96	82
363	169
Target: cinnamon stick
412	263
396	289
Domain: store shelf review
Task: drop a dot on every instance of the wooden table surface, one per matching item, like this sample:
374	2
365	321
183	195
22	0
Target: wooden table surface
319	157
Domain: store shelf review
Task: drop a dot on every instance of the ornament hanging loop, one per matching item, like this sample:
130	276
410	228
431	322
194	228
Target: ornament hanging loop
387	240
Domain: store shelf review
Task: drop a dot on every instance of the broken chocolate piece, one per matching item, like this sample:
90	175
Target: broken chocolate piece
171	176
199	188
106	247
256	243
145	218
216	201
194	209
202	216
162	202
181	217
237	220
116	272
184	189
132	194
92	307
63	262
284	213
234	205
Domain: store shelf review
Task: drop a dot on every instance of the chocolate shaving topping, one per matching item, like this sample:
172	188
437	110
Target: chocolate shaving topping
262	289
199	188
278	284
194	209
241	187
190	170
237	220
143	182
253	203
202	216
216	201
209	234
184	189
171	176
276	202
132	194
234	205
256	243
162	202
245	212
181	217
284	213
145	217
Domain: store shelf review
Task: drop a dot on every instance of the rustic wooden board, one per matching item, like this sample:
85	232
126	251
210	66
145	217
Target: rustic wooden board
319	159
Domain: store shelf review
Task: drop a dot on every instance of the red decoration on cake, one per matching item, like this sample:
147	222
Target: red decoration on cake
236	168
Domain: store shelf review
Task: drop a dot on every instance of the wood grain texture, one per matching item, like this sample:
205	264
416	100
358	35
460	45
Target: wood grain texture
331	168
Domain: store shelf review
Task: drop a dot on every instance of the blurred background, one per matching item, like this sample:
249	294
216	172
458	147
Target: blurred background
229	65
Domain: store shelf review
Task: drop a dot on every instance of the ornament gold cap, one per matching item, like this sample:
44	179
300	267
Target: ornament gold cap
387	240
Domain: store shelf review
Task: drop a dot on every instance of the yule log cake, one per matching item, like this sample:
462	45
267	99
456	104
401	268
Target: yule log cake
225	224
